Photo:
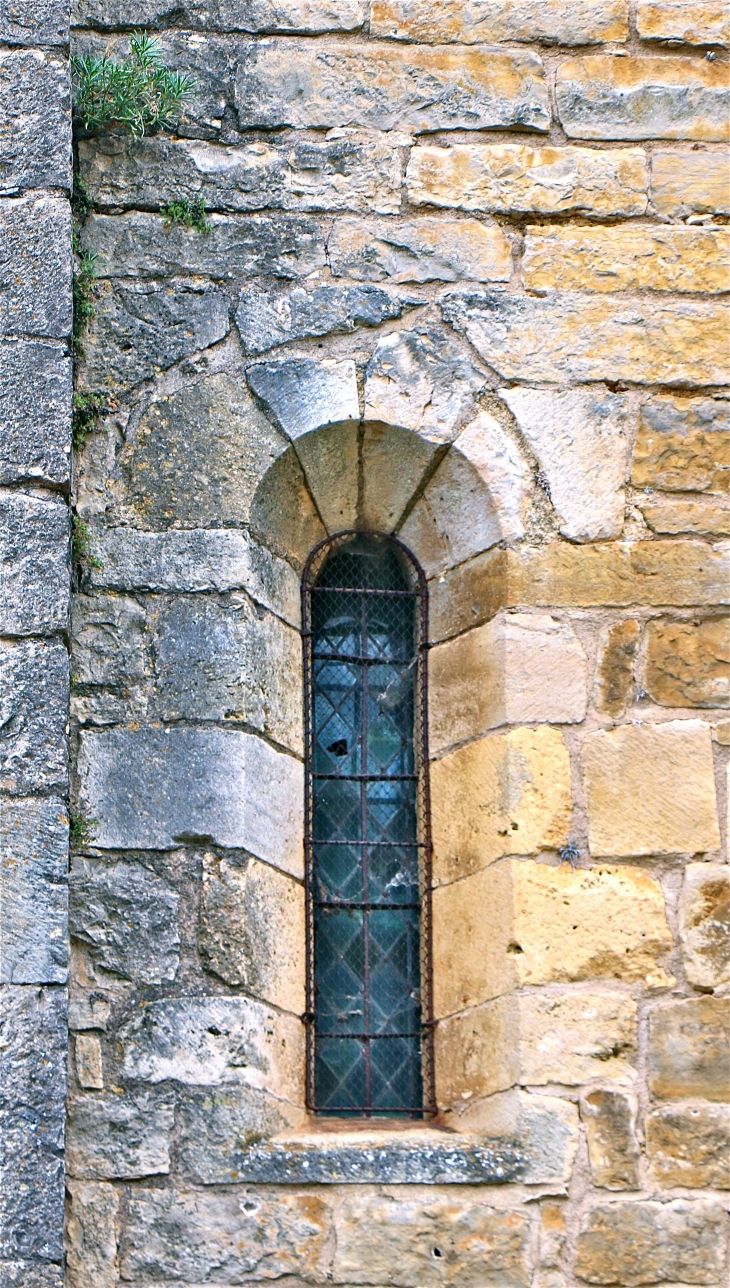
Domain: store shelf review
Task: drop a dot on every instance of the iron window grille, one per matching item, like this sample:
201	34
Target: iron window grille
367	830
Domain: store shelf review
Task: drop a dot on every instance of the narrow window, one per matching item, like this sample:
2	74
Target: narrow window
367	833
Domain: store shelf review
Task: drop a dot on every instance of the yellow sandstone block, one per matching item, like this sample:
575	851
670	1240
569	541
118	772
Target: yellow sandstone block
631	258
603	96
683	445
690	183
563	22
699	22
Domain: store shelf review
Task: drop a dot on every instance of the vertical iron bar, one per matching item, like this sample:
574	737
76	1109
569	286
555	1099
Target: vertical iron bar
364	850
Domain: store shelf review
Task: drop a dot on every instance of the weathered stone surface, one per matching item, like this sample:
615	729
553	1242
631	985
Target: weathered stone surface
283	514
90	1012
141	327
553	1233
252	930
302	395
35	413
91	1235
224	15
579	438
421	250
389	1239
511	176
394	463
688	663
635	257
35	106
33	864
615	682
643	1243
34	540
118	1136
671	515
474	21
468	595
705	23
605	97
420	380
189	1236
32	1274
33	1055
689	183
349	170
577	336
683	445
454	519
385	87
610	1121
33	714
127	919
689	1050
518	668
689	1146
88	1060
329	459
35	268
206	1041
108	640
145	245
543	1131
651	789
502	467
150	788
265	319
704	924
34	22
219	1129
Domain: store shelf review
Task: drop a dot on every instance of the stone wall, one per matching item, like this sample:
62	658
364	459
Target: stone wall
462	282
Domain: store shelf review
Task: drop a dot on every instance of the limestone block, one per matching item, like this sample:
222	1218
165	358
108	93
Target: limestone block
468	595
152	788
700	24
118	1136
704	924
265	319
87	1055
419	250
420	380
283	515
91	1235
383	87
35	272
33	899
577	336
454	519
605	97
33	714
688	663
505	794
206	1041
642	1243
330	460
108	640
689	1146
347	170
579	438
635	257
683	445
610	1121
88	1013
142	327
224	15
518	668
615	683
512	176
689	1050
35	412
667	515
35	22
475	21
219	1127
34	542
30	1274
394	463
394	1240
651	789
227	662
499	462
35	106
553	1233
543	1130
244	1235
689	183
127	918
302	395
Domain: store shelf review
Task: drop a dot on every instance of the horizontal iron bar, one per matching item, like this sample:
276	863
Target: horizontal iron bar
378	845
370	907
360	659
364	590
374	778
365	1037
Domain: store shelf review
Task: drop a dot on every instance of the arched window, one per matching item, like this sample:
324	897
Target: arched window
368	860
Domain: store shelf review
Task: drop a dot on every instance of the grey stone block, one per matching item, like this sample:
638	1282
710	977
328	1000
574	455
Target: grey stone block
33	892
265	319
33	715
224	15
218	1128
423	1160
144	245
108	640
35	412
35	265
29	1274
127	918
142	327
34	558
302	395
34	22
35	107
123	1137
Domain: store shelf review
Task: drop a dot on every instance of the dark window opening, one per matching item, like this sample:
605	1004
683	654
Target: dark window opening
367	837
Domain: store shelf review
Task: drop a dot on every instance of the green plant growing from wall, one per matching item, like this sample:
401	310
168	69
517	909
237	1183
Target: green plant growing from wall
83	293
138	95
189	213
80	830
81	544
87	408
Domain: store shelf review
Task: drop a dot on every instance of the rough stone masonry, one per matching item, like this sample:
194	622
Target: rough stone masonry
465	281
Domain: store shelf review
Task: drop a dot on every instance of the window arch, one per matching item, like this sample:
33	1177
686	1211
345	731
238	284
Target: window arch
367	831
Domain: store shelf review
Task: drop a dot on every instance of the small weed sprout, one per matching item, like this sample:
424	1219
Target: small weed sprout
81	544
81	200
87	408
83	293
80	830
190	213
138	95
